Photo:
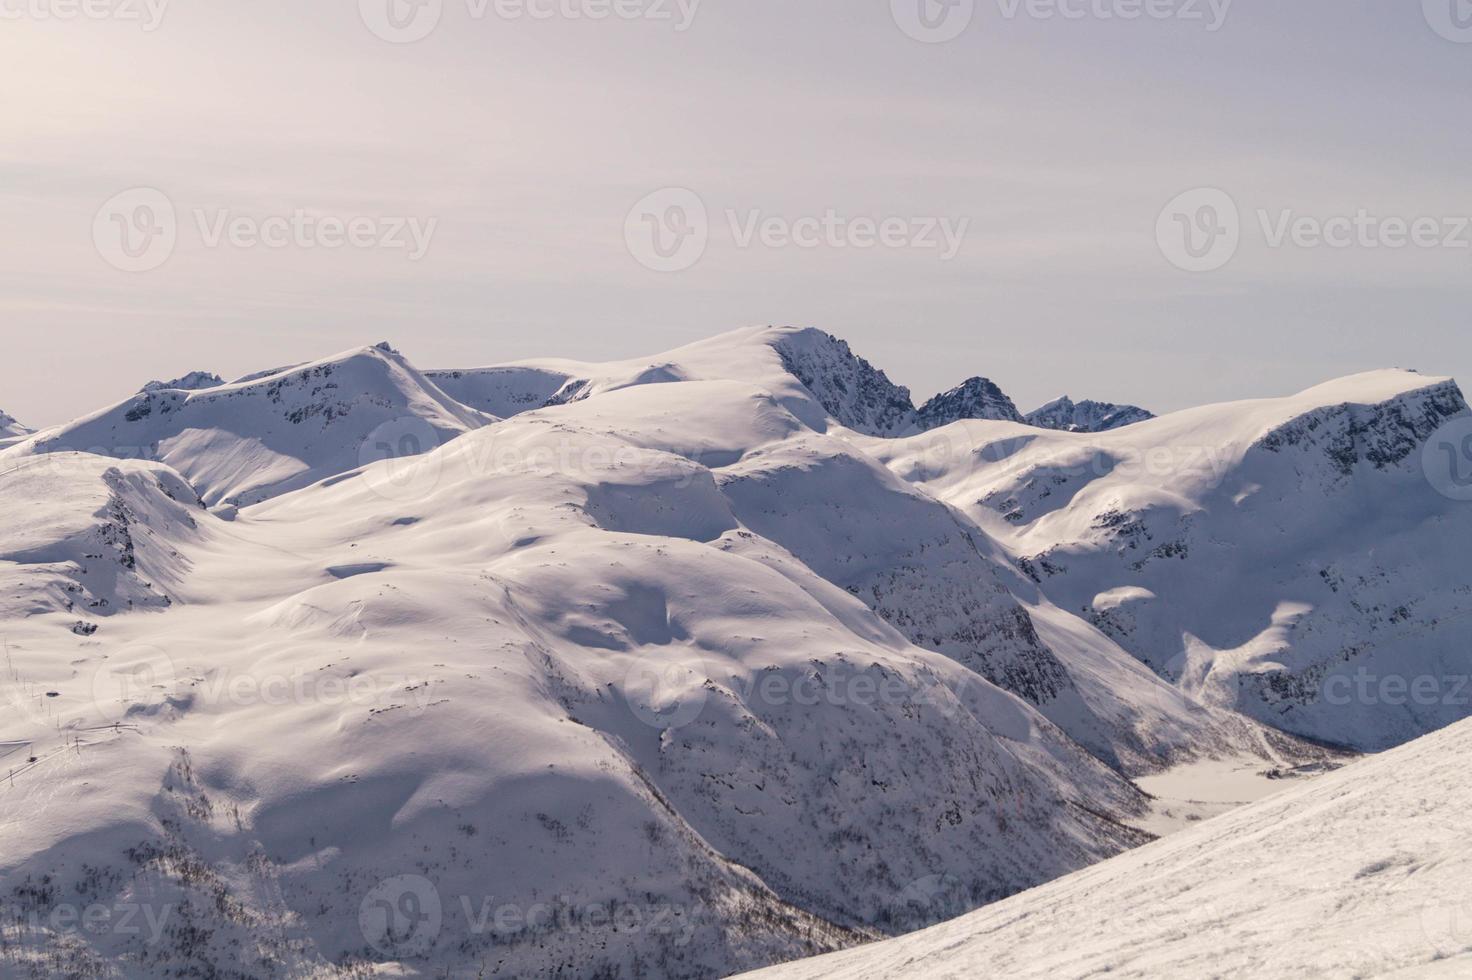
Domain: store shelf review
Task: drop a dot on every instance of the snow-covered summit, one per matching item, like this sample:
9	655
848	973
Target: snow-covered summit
1086	416
243	442
977	398
814	373
193	381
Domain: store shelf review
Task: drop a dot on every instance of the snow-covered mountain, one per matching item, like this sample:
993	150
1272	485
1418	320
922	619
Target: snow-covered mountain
1286	558
11	431
358	667
1360	873
241	443
847	387
1085	416
977	398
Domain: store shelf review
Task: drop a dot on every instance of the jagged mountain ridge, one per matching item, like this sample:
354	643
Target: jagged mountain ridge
852	391
193	381
1086	416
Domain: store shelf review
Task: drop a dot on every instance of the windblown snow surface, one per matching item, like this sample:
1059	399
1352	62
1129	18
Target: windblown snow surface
671	667
1361	873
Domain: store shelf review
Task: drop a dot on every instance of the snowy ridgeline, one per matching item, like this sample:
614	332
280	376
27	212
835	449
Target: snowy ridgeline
668	667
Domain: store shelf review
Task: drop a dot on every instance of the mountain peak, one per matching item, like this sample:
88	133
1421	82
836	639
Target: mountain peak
11	429
975	398
193	381
853	391
1066	415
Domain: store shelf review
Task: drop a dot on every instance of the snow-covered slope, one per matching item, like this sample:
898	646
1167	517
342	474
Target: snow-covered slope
1086	416
1360	873
241	443
1288	558
85	537
945	585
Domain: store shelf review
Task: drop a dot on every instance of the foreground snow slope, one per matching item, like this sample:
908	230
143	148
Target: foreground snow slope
1288	558
250	440
1361	873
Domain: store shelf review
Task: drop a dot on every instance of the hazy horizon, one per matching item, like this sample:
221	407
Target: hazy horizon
1033	163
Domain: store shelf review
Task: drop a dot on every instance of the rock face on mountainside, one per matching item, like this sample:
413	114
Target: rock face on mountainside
977	398
1066	415
1361	872
853	391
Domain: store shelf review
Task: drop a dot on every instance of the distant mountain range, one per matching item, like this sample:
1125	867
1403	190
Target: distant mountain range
337	661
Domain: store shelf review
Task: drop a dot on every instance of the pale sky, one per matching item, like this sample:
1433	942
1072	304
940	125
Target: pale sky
526	141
